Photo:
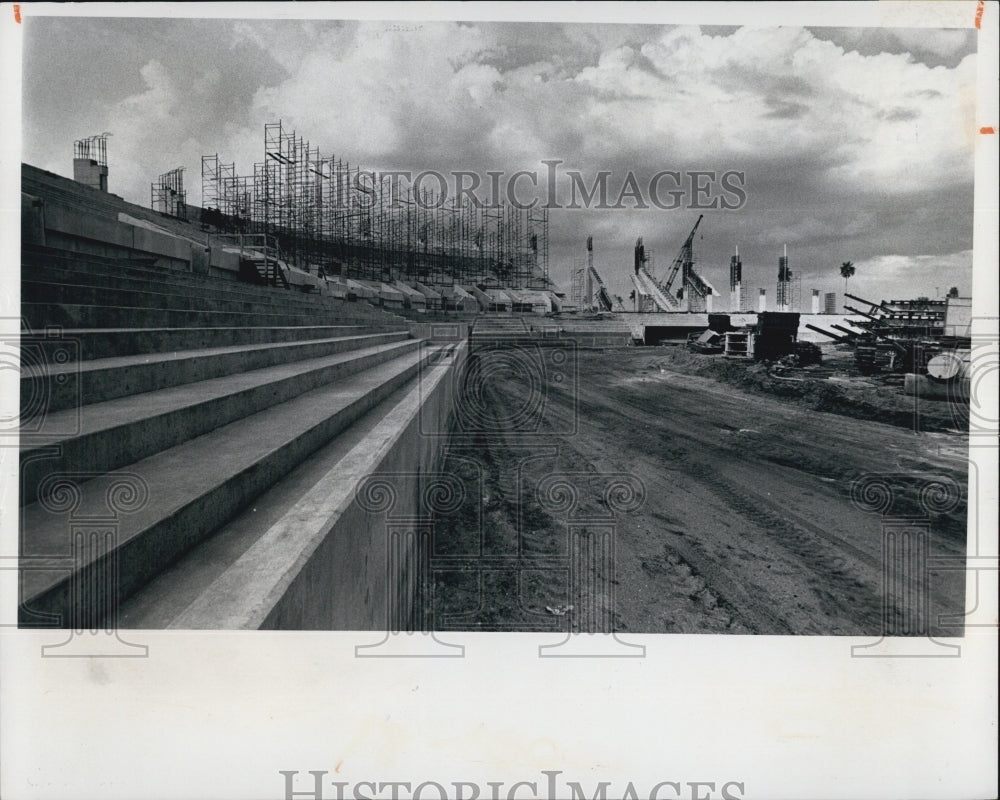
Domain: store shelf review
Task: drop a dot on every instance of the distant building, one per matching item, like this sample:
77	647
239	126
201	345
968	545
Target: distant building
830	303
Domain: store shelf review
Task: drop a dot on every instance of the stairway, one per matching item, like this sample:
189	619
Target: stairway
84	291
170	421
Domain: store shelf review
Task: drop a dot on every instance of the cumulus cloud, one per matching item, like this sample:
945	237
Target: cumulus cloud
700	98
855	143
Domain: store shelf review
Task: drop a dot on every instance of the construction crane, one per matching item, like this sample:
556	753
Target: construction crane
683	263
660	293
601	297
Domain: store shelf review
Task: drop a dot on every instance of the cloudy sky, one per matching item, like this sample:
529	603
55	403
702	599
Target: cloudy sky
855	143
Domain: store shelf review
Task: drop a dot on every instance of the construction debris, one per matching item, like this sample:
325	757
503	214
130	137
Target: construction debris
708	342
772	337
905	337
946	377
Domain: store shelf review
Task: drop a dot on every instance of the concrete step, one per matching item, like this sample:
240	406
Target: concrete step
157	297
173	597
75	268
115	274
71	315
193	489
37	261
125	276
95	343
36	257
82	383
168	284
291	529
106	436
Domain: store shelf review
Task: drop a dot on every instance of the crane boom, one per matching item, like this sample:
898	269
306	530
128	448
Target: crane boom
601	295
685	258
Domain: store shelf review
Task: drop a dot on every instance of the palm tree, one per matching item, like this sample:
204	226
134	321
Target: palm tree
953	291
846	271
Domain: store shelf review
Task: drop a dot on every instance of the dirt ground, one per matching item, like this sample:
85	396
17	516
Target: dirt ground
656	490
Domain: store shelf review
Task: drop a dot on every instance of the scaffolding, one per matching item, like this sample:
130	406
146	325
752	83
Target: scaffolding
750	299
578	288
795	293
330	216
167	195
789	293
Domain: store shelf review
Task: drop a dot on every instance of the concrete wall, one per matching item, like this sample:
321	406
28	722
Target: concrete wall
69	229
598	340
351	572
694	321
958	316
32	219
440	331
79	219
344	584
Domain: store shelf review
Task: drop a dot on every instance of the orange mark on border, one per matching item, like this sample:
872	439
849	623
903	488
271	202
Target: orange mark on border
339	765
989	129
979	13
17	13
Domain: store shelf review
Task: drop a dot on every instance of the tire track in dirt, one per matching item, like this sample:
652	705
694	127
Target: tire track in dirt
748	524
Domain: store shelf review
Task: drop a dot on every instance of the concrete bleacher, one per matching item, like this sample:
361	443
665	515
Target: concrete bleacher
240	419
82	290
191	445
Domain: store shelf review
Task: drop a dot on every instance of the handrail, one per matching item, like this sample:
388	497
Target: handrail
264	246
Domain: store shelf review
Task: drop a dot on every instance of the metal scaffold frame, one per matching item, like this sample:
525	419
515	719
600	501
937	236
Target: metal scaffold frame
168	195
328	215
578	284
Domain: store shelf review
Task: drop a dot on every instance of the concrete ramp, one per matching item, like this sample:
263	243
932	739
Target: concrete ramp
646	286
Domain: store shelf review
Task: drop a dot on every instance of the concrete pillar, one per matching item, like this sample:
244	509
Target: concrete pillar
708	302
815	305
90	173
736	299
762	300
